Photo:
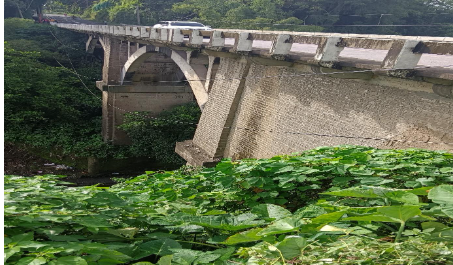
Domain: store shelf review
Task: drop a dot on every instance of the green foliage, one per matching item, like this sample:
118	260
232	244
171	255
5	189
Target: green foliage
157	137
180	217
46	105
291	15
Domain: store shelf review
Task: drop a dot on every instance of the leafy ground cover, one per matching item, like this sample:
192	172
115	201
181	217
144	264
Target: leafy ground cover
330	205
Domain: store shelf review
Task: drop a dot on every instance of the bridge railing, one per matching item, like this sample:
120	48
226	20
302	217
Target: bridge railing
404	52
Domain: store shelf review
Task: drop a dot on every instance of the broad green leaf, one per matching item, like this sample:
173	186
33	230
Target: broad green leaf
446	170
373	217
31	261
185	256
292	246
105	198
94	221
7	240
443	235
225	253
403	212
70	260
243	237
281	226
165	260
433	226
224	222
330	228
160	247
443	195
22	237
128	232
31	244
361	172
403	197
215	212
206	258
271	211
65	238
353	192
109	262
9	252
423	191
328	218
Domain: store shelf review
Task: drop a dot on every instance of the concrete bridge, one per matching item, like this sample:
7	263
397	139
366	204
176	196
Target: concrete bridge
264	93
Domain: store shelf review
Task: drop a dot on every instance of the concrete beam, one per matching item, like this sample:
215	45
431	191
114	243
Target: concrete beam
154	35
138	88
145	32
196	38
329	50
129	30
136	32
163	35
281	45
217	39
176	36
244	42
401	56
119	30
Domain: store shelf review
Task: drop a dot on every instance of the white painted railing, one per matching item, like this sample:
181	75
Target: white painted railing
404	52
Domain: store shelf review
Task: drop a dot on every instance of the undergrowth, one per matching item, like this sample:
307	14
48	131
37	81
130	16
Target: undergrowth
330	205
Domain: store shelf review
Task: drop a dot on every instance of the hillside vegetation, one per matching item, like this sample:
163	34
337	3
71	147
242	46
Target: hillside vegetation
53	107
330	205
413	17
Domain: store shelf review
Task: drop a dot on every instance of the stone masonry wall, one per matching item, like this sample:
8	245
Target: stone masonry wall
272	108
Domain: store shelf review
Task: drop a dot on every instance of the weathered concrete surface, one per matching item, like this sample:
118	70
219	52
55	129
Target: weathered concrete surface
272	111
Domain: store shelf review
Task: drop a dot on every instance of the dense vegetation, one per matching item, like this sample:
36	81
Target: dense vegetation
49	109
330	205
46	105
156	137
297	15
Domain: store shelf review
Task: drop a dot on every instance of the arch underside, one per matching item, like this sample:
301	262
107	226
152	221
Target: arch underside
163	66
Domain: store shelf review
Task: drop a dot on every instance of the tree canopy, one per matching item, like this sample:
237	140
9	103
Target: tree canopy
406	17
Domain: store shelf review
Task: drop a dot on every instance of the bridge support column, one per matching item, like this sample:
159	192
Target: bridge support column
214	127
115	55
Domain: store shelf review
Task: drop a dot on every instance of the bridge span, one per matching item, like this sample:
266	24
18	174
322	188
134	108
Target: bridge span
264	93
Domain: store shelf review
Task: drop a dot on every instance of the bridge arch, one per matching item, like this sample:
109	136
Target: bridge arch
195	74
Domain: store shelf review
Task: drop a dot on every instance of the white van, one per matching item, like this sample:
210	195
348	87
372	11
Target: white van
181	25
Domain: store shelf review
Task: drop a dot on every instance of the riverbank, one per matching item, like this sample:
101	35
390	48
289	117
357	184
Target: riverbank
19	161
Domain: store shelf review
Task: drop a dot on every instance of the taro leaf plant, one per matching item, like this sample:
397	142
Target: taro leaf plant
336	205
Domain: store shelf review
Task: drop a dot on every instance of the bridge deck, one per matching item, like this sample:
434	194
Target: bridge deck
389	52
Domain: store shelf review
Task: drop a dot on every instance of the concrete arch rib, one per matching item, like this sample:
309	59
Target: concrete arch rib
195	80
